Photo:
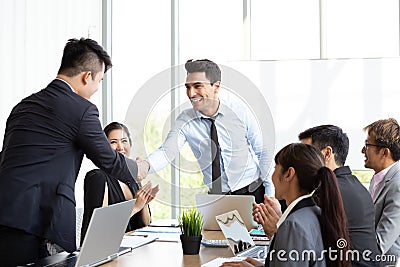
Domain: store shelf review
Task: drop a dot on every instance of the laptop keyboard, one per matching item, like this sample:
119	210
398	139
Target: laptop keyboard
68	262
258	252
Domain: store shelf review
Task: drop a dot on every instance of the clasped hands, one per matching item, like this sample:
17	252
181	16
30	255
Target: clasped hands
143	169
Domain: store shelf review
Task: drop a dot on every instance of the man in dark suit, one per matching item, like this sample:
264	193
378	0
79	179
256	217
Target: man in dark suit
334	146
45	139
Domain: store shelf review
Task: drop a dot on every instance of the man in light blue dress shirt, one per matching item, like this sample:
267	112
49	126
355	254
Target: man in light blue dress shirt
244	159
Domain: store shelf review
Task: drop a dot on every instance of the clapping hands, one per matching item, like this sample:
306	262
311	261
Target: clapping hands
267	214
144	195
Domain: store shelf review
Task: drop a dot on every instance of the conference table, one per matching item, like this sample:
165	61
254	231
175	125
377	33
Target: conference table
161	253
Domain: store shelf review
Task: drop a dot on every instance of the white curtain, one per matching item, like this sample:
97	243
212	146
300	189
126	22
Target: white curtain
32	38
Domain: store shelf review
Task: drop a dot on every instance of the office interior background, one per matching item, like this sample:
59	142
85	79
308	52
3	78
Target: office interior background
314	61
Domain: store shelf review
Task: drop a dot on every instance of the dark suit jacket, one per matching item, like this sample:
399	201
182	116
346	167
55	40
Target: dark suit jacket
46	136
360	214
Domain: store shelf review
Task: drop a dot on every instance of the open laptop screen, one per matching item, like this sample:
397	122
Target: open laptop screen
213	205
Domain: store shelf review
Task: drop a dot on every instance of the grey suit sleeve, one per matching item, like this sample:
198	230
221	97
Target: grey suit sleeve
388	226
92	140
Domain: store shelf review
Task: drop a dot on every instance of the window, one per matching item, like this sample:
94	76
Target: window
141	49
287	29
362	28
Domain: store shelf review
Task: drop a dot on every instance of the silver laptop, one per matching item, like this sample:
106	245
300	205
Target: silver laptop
239	239
213	205
102	240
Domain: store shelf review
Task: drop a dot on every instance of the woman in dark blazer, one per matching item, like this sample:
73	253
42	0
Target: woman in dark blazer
307	231
100	189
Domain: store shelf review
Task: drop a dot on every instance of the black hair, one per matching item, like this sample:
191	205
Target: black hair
212	70
83	55
329	135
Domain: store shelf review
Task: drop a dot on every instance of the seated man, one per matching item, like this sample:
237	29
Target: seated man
334	146
101	189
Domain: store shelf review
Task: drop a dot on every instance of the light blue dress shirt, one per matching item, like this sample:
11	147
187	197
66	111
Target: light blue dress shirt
244	157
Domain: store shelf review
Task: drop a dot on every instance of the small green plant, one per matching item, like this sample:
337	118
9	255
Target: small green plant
191	222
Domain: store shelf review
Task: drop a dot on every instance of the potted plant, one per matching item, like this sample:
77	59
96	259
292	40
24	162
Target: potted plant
191	224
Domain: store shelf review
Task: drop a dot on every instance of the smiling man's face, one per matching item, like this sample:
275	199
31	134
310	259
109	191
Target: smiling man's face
201	93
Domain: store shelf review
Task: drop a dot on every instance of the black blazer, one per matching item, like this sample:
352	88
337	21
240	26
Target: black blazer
46	136
360	214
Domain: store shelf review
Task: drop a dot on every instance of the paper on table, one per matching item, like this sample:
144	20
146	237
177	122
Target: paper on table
168	234
218	261
160	229
136	241
165	223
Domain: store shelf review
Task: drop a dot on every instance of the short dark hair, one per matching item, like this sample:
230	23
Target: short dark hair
387	134
329	135
212	70
83	55
117	126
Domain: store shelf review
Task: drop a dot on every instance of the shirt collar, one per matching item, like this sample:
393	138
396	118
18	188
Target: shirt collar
289	209
378	177
66	83
221	110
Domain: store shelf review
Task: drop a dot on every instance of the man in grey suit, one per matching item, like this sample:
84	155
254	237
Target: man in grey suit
382	153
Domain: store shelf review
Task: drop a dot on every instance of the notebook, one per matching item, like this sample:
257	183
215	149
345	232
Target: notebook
102	241
240	241
213	205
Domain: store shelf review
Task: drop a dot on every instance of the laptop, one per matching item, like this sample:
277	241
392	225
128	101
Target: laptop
213	205
102	240
240	241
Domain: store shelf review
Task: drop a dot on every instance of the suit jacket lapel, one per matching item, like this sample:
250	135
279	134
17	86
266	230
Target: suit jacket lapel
379	189
307	202
371	186
388	177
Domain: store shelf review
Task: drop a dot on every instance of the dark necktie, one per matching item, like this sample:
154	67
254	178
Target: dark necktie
216	187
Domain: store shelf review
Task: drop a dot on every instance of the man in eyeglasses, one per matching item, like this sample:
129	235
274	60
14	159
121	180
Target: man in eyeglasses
382	153
224	136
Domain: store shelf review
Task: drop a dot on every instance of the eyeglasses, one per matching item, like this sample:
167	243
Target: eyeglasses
366	145
197	85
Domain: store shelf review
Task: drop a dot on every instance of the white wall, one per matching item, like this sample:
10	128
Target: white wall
349	93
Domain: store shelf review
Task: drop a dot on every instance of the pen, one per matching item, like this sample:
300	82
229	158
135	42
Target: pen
133	234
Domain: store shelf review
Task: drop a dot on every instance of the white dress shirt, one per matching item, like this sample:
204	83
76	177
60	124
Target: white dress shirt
289	209
244	157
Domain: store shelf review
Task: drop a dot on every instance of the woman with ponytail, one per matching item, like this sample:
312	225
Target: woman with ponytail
309	233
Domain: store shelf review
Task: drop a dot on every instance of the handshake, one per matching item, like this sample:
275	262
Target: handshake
143	169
